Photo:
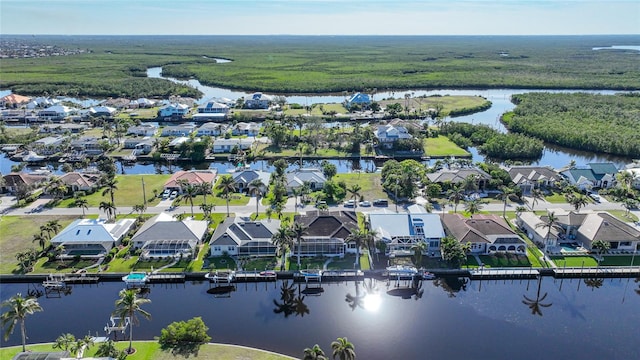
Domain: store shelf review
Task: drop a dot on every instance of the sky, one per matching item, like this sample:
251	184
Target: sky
319	17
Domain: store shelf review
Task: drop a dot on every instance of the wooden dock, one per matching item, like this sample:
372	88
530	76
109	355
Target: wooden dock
80	279
510	273
597	272
254	276
165	278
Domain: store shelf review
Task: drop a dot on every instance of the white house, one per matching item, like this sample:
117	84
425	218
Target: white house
173	110
49	145
143	129
91	238
211	111
389	134
249	129
178	130
102	111
55	113
227	145
212	129
594	175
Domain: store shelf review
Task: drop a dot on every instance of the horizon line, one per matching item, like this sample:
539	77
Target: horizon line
322	35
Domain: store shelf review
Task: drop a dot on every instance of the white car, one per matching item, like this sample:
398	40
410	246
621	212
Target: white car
166	193
365	203
174	195
350	203
595	197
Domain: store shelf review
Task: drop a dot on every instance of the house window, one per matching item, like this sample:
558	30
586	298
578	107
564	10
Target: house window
434	244
232	248
217	249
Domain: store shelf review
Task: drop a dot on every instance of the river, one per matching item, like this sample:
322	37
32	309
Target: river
454	320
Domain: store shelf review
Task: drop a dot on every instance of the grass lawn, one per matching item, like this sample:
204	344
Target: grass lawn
505	260
442	146
555	198
260	263
620	261
16	234
221	263
129	191
268	150
622	215
574	261
310	263
371	184
150	350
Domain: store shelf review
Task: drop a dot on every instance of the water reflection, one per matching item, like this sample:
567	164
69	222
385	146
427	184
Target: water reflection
287	297
594	283
451	285
369	299
406	289
536	305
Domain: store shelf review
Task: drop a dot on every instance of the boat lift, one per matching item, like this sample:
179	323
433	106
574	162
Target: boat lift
115	324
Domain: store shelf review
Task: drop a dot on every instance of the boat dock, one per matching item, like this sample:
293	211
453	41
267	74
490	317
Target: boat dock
80	279
165	278
511	273
597	272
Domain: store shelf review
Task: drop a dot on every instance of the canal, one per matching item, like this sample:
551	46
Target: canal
452	318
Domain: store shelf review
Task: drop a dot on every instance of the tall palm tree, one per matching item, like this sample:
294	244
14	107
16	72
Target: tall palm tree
140	209
128	305
41	239
111	185
314	353
83	204
601	247
578	201
204	189
64	342
298	230
52	227
455	195
551	222
296	192
256	187
473	206
18	310
227	186
108	208
189	192
418	249
283	241
343	349
354	190
505	195
536	194
358	237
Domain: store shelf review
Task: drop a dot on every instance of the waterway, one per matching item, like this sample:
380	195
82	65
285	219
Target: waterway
443	319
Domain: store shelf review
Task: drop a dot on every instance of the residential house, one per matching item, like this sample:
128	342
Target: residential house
487	234
533	177
142	103
97	111
15	180
178	130
243	178
14	101
62	128
49	145
118	103
622	237
42	102
211	111
175	143
237	237
212	129
55	113
145	129
228	145
594	175
142	146
76	181
326	234
297	178
258	101
173	110
87	145
192	177
634	170
91	238
363	100
457	176
163	236
402	231
249	129
388	134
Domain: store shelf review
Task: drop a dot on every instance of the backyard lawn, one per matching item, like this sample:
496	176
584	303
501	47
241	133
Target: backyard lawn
371	184
574	261
442	146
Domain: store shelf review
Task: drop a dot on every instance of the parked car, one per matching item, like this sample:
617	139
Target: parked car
166	194
174	195
321	203
365	203
350	203
595	197
381	202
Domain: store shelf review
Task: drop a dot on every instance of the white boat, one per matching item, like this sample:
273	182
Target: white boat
311	274
428	276
402	270
54	282
221	276
33	157
135	278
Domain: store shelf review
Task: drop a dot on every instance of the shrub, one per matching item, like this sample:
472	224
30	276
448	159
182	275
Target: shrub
184	337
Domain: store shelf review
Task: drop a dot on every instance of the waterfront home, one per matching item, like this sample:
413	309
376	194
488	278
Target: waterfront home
297	178
42	102
487	234
14	181
249	129
528	178
174	144
49	145
228	145
62	128
191	177
237	237
55	113
212	129
88	145
360	99
634	170
387	135
257	101
141	146
142	103
457	176
243	178
143	129
173	110
106	111
533	226
118	103
593	175
163	235
14	101
622	237
76	181
178	130
211	111
91	238
326	234
402	231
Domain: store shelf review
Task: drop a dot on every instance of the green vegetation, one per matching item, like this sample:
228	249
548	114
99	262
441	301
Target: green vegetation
505	260
574	261
443	146
370	184
116	66
588	122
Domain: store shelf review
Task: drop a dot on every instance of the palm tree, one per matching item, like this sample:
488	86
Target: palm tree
578	201
111	186
551	222
296	192
204	189
227	186
140	209
127	306
255	188
418	249
455	194
601	247
354	190
52	227
473	206
343	349
80	345
358	237
283	241
108	349
507	191
64	342
188	193
83	204
298	230
314	353
536	304
18	310
536	194
108	208
41	239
